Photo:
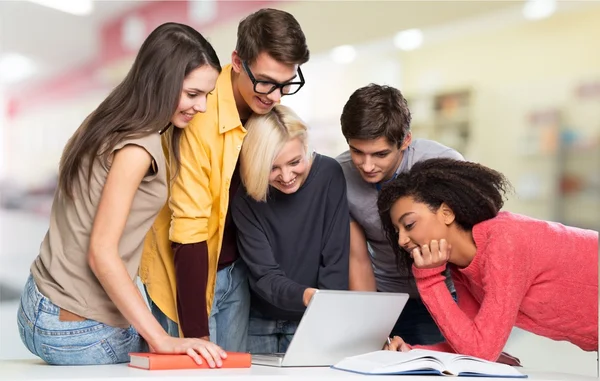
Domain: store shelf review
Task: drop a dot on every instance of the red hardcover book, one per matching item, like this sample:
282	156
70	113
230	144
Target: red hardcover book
155	361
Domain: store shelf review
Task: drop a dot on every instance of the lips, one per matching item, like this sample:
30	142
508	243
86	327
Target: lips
187	116
289	183
264	103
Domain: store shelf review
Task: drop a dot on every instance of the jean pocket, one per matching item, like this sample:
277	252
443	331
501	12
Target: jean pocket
98	353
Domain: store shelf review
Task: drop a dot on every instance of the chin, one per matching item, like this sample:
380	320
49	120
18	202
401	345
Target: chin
372	180
288	191
261	111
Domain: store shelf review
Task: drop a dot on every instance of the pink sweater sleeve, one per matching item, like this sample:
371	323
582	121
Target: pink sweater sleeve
466	303
481	332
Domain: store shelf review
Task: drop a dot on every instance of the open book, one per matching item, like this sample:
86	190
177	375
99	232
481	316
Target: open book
420	361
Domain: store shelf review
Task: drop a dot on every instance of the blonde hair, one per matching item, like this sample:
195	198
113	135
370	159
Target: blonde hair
267	134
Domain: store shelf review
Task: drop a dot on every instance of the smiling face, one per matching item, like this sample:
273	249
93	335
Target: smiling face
264	68
376	159
417	224
290	167
196	87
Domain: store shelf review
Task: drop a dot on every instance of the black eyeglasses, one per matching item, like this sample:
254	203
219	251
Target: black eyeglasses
267	87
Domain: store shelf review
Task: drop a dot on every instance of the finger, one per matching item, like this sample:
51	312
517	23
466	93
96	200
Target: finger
206	354
396	343
404	347
417	257
192	353
215	352
444	250
435	251
426	253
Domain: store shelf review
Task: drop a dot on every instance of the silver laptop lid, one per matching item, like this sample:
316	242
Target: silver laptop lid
338	324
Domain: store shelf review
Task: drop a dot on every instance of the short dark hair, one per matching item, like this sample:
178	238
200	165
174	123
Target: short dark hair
376	111
474	192
274	32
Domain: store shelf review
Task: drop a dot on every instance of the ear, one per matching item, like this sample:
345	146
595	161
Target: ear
236	62
407	141
447	214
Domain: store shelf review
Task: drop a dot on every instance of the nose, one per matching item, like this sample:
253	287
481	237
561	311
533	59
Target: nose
403	240
286	175
200	106
275	96
368	165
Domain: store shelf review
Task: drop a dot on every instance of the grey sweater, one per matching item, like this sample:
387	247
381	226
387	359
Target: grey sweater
296	241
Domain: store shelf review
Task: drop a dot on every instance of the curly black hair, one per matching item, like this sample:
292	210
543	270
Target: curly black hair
475	193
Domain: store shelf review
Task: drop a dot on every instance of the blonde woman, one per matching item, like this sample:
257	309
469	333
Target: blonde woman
293	225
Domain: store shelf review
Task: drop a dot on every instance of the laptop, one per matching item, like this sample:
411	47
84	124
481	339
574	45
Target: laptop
338	324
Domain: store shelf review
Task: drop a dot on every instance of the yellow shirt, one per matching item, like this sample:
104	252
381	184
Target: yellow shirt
199	196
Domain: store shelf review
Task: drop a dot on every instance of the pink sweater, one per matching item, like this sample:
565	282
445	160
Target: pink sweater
539	276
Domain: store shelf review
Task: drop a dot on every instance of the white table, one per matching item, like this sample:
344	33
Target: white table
29	370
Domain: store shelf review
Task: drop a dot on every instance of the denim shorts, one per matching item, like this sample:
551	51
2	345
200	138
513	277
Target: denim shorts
57	342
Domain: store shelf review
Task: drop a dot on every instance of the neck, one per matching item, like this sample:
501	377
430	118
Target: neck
390	175
463	247
242	107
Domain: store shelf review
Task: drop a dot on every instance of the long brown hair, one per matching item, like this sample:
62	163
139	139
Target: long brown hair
143	103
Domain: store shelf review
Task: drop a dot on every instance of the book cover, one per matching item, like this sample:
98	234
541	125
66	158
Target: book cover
155	361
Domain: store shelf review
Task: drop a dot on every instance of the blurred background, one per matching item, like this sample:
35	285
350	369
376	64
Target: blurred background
514	85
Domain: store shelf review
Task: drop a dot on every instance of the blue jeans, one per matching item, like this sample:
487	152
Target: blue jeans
228	320
416	326
57	342
268	335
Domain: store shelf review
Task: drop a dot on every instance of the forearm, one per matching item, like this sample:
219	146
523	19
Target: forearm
281	292
480	331
362	277
191	273
113	276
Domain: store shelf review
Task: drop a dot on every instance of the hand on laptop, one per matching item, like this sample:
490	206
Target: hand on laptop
397	344
308	294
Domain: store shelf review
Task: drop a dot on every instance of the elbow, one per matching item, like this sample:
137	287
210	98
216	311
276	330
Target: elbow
92	259
97	256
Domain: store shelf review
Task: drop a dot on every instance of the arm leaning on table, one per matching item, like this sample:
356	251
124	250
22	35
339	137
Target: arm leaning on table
128	168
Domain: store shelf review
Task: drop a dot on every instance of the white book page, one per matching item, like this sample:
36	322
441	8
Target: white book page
381	362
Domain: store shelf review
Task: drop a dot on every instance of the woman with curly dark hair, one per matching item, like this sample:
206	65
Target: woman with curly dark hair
508	269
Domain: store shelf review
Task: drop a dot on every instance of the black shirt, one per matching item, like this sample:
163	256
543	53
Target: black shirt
296	241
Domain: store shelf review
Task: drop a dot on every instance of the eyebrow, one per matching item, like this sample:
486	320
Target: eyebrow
374	153
271	79
403	216
290	161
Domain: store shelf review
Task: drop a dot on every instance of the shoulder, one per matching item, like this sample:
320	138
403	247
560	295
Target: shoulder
350	172
344	158
423	149
151	143
506	228
328	169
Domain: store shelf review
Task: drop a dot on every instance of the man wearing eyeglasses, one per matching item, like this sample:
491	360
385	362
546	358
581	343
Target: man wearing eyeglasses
196	283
